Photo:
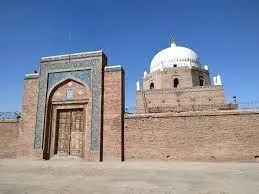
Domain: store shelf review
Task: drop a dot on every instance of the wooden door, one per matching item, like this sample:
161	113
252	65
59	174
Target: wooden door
70	125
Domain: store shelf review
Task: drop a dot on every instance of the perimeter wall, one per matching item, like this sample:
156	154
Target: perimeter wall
200	136
9	133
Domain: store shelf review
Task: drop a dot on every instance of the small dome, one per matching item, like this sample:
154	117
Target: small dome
174	56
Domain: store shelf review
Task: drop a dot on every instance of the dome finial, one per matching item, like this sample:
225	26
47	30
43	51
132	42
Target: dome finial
173	41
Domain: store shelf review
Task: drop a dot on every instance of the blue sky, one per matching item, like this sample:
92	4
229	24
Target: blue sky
224	33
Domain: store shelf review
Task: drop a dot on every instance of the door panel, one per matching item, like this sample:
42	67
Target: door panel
63	131
70	131
77	125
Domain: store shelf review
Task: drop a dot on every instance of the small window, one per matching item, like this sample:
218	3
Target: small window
175	65
152	86
176	82
69	94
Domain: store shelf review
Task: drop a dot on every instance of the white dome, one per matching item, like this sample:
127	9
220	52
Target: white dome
174	56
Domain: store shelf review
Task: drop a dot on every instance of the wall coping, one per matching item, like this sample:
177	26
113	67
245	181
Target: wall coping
9	120
113	68
190	89
191	114
72	56
31	76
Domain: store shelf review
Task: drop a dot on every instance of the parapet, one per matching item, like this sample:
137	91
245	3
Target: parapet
113	68
72	56
186	89
31	76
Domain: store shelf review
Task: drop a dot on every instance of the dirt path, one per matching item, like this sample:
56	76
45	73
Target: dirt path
19	176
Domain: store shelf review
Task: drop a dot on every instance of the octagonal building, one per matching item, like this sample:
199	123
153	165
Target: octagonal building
177	82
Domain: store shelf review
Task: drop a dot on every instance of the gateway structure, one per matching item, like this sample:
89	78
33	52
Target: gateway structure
73	108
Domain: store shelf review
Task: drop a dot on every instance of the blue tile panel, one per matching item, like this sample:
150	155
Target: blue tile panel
84	76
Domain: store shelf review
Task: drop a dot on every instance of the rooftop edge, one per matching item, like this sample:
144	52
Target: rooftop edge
72	56
31	75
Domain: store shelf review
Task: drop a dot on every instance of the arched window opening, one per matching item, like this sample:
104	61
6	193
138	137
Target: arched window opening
175	65
176	82
152	86
201	81
69	94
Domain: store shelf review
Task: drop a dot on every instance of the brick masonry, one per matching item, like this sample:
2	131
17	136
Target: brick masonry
9	133
188	95
113	114
182	98
188	77
207	136
28	118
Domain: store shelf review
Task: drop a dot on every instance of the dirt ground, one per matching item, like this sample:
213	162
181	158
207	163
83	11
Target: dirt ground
20	176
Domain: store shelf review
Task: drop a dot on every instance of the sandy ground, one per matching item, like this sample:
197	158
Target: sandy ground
20	176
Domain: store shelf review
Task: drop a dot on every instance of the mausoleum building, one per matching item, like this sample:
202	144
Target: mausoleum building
177	82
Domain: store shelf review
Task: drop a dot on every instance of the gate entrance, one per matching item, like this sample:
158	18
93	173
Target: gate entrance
69	132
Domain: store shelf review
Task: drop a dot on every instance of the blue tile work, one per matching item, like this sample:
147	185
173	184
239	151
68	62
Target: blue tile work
84	76
80	66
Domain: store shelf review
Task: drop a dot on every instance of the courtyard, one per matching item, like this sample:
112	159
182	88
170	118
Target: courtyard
73	176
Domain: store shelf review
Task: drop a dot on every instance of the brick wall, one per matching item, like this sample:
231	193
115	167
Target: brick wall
196	73
188	77
182	99
28	118
113	114
204	136
9	132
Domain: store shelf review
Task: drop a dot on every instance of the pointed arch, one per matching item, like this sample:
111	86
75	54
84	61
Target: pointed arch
151	86
176	82
63	82
83	100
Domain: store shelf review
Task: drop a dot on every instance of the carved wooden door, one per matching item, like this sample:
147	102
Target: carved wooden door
70	131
